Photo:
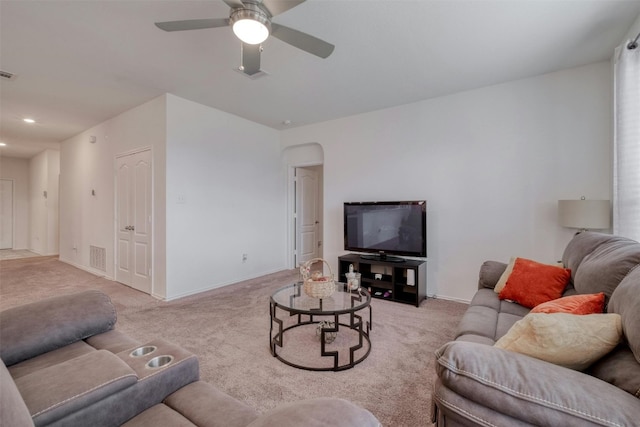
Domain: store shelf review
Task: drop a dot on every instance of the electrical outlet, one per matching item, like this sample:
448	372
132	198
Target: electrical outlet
244	257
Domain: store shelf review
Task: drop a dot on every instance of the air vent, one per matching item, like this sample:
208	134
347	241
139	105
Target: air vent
7	75
98	258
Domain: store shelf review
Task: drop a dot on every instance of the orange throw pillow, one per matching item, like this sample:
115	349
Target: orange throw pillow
574	304
532	283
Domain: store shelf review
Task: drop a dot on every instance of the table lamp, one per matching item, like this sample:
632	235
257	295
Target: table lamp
584	214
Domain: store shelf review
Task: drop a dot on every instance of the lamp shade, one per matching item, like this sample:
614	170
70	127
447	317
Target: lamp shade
584	214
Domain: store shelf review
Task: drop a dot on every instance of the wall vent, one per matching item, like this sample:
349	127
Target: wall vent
7	75
98	258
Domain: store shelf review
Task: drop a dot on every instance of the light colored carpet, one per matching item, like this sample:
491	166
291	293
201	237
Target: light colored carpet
16	254
228	329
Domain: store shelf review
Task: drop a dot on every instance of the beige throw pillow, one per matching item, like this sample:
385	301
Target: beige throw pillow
569	340
503	279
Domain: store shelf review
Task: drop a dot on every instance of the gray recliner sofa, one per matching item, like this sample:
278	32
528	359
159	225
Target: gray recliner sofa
64	364
482	385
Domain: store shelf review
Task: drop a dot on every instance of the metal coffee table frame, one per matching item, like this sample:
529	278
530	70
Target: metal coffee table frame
360	300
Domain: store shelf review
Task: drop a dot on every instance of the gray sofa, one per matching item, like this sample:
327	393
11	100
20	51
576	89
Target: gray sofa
482	385
64	364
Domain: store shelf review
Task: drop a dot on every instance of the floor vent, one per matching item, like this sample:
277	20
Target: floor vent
98	258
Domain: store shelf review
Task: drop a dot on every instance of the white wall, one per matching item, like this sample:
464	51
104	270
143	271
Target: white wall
87	219
44	169
17	170
225	197
491	162
218	192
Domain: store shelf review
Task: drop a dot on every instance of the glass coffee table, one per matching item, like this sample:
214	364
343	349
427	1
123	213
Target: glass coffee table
322	334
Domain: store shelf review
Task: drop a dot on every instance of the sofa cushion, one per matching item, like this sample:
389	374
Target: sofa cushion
51	358
42	326
488	318
490	273
619	368
518	386
320	412
531	283
574	304
564	339
604	268
160	415
626	302
13	411
582	245
206	406
56	391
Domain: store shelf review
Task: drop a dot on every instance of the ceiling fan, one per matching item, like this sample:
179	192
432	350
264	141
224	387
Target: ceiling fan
251	23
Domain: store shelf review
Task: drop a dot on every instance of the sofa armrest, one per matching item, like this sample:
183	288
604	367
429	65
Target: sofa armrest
490	273
56	391
33	329
531	390
13	410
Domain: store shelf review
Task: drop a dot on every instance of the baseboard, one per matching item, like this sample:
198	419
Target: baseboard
87	269
447	298
223	284
40	253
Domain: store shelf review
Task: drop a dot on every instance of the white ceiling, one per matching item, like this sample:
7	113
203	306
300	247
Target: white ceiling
79	63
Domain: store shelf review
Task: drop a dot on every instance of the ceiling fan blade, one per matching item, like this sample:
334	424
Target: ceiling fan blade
250	58
276	7
193	24
234	4
301	40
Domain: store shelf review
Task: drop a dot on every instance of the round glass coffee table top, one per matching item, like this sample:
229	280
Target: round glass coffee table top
293	298
320	334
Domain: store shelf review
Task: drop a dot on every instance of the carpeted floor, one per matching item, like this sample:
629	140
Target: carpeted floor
228	329
16	253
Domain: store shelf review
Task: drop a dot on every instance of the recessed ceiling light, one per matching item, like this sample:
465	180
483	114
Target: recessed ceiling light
2	144
28	120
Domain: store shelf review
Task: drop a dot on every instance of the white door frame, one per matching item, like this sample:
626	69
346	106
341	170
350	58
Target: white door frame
291	206
115	211
12	212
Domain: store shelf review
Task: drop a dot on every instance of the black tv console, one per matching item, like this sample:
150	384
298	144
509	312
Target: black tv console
388	280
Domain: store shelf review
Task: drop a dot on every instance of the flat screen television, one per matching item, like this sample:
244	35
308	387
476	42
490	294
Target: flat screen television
386	228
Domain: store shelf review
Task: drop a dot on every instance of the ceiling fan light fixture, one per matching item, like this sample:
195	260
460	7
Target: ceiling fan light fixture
250	26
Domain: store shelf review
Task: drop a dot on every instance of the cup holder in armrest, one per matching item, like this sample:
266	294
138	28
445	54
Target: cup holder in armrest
159	362
141	351
155	357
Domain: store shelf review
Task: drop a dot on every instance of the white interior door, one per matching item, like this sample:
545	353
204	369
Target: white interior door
306	215
133	217
6	214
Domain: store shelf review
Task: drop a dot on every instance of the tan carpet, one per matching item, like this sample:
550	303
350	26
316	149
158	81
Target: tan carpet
228	328
16	253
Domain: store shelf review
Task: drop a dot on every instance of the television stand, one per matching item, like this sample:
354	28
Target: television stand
402	281
382	257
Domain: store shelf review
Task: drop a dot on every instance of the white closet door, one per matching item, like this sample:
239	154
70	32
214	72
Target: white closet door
133	216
